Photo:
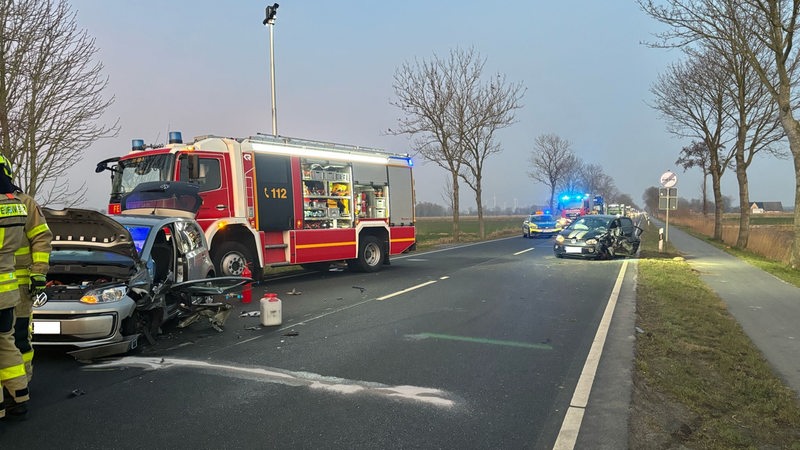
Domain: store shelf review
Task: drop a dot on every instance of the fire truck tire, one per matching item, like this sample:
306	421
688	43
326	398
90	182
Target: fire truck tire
370	256
230	259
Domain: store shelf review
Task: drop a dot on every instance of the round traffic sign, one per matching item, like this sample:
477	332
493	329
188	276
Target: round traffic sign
669	179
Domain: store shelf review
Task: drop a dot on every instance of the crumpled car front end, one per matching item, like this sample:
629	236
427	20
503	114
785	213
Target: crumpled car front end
83	314
93	267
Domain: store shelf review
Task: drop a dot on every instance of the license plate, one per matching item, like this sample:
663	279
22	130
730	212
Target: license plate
572	249
46	327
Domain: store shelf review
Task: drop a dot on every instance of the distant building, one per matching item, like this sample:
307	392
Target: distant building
766	207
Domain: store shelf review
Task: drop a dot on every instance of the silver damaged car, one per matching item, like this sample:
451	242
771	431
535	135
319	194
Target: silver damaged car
114	279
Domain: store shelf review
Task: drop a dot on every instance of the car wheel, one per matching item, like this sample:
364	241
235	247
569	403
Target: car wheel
370	255
230	259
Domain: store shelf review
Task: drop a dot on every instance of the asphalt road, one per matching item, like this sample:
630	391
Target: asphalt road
479	346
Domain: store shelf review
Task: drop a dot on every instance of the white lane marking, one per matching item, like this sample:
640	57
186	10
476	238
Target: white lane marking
455	247
568	435
431	396
338	310
388	296
523	251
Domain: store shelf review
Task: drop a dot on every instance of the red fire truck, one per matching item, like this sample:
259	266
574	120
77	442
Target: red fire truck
272	201
572	205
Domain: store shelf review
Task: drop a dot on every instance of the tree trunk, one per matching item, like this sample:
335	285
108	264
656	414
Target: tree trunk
792	128
794	144
481	227
744	201
705	194
456	231
715	187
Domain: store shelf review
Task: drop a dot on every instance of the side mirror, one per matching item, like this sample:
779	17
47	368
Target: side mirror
103	165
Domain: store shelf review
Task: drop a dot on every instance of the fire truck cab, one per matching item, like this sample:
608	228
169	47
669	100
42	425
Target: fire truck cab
272	201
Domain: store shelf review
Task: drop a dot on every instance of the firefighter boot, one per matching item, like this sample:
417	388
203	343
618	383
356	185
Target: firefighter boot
14	410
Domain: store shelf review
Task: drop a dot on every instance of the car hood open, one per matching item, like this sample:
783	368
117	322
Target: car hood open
84	229
163	198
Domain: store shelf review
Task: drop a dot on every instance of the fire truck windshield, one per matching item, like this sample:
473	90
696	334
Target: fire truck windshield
137	170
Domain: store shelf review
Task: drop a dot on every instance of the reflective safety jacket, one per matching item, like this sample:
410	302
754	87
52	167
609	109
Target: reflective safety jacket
34	255
13	215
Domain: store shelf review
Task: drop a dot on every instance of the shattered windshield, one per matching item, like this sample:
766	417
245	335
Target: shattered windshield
138	170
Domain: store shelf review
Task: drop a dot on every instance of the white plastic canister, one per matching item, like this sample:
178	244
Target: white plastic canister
271	310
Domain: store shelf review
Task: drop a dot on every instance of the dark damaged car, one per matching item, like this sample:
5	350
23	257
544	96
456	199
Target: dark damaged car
598	236
115	279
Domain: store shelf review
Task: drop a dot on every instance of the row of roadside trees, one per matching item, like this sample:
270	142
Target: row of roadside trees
452	112
735	93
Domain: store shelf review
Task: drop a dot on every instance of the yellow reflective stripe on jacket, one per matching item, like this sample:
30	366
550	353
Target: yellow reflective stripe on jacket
8	282
41	257
8	276
9	373
13	210
22	251
27	356
37	230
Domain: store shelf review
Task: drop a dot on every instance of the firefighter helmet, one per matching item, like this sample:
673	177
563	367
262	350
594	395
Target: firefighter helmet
6	165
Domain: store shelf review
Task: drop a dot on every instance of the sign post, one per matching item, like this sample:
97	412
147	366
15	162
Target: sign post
667	199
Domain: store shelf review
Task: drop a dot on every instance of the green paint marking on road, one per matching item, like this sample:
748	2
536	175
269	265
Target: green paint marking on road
480	340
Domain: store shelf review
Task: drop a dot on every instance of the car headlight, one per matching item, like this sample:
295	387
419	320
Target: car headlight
533	226
592	241
560	238
104	295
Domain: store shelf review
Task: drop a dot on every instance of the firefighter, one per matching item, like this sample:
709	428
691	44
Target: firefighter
33	260
13	216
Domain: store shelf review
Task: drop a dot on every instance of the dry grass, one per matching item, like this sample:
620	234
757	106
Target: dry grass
772	241
699	381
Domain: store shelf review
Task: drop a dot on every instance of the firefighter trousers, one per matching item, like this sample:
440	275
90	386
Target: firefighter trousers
13	379
23	331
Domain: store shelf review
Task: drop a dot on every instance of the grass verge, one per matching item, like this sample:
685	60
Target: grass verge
699	382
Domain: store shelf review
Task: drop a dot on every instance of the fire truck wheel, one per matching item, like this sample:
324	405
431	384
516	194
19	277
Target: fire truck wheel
230	259
370	255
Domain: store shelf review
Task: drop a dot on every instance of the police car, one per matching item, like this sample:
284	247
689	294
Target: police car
540	224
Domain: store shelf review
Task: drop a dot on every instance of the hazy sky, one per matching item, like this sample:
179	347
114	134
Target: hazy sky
202	67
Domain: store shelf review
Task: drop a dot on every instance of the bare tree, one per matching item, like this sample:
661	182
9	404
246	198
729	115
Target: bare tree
597	182
481	109
553	162
697	155
425	95
741	23
756	125
650	198
51	96
454	115
691	95
573	180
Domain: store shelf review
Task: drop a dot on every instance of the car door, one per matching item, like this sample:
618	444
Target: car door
626	235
